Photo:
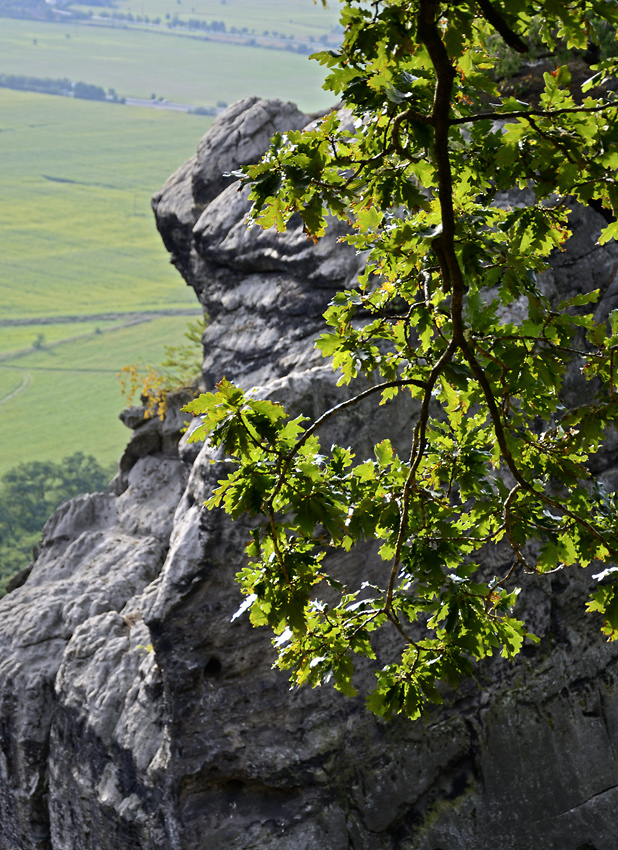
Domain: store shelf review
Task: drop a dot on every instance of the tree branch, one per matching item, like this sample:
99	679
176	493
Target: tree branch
479	374
493	17
416	455
333	412
429	35
524	113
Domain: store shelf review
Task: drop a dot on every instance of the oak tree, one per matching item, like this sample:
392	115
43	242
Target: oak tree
494	456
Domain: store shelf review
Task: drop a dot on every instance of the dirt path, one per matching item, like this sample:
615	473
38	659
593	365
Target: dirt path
99	317
25	382
130	320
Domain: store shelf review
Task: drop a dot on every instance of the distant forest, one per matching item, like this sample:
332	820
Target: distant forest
29	494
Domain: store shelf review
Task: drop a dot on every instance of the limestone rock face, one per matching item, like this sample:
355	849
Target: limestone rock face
135	713
264	292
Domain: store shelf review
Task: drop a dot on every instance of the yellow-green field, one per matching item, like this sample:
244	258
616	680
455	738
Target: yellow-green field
77	237
179	67
300	18
16	340
67	398
77	234
81	248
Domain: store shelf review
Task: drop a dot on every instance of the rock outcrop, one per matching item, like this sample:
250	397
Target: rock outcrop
135	714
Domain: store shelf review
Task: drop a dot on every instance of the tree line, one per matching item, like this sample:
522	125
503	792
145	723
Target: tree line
29	494
59	86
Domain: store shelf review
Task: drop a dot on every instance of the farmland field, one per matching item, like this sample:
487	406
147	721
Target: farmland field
76	232
179	67
70	398
18	339
77	238
300	18
80	259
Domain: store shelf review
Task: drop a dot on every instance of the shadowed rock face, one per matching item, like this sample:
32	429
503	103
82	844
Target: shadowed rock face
135	714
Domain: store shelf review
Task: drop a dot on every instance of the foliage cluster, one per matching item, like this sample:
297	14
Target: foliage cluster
509	61
494	457
88	91
45	85
29	494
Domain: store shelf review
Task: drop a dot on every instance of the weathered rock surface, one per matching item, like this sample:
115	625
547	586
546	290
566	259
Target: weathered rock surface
135	714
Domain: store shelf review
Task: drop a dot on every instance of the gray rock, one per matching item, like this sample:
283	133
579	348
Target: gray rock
239	137
264	292
135	713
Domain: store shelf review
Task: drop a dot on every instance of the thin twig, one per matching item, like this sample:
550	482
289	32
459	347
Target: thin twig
493	17
525	113
558	145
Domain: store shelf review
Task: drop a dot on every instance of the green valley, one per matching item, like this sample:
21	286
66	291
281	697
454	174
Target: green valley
177	63
78	241
86	286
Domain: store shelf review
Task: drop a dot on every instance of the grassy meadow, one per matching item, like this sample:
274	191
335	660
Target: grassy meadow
139	62
17	340
70	398
77	236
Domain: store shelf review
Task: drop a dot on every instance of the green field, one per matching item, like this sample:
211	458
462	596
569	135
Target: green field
81	248
70	398
179	67
19	339
302	19
77	236
76	232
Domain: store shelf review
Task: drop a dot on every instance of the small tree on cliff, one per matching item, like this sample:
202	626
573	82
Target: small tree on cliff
493	456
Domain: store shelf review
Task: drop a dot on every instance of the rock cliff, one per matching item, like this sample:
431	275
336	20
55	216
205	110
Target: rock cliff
135	714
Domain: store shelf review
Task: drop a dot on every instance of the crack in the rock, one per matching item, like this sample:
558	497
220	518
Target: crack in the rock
583	803
573	261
